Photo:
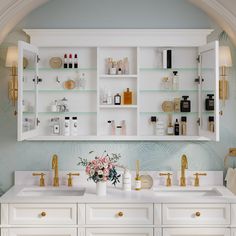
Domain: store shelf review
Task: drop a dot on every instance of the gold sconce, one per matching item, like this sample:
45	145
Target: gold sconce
225	63
12	62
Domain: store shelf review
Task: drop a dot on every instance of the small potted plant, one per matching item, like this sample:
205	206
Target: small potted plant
101	169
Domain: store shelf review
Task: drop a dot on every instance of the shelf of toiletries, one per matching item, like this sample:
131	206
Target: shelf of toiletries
109	94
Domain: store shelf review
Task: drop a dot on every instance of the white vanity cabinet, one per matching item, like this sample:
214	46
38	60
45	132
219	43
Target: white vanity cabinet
40	85
196	232
95	219
43	232
119	232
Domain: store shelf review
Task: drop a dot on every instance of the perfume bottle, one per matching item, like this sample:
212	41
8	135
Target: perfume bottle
170	128
109	98
209	102
175	80
117	99
127	97
185	104
176	129
211	124
176	104
183	125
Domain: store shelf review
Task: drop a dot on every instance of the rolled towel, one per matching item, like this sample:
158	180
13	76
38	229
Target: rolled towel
230	179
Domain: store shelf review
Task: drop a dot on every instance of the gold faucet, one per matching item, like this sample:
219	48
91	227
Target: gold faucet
184	166
55	168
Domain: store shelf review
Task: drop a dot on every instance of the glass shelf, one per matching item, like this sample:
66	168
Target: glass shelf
62	90
174	91
62	69
177	113
119	76
173	69
169	69
61	113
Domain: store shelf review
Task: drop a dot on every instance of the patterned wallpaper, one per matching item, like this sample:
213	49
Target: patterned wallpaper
153	155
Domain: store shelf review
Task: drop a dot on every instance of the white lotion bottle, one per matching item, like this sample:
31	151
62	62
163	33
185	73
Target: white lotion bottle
127	180
74	126
66	126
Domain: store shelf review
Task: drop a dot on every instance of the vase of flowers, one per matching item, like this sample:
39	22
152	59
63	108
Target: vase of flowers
100	169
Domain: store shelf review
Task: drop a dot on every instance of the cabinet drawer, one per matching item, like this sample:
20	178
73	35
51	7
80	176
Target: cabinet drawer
204	214
119	214
119	232
29	214
42	232
196	232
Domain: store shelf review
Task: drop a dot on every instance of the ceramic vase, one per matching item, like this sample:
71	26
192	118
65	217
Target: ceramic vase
101	188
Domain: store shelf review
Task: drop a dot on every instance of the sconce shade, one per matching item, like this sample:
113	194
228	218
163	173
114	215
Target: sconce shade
12	56
225	56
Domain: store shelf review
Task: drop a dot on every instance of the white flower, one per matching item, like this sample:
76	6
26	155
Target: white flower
105	165
100	172
92	172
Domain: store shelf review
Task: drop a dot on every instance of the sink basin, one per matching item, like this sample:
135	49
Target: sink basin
187	192
44	191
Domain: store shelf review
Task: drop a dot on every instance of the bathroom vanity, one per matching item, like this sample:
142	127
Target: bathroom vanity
82	88
75	211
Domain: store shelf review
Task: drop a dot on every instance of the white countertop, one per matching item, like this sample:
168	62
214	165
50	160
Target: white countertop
117	195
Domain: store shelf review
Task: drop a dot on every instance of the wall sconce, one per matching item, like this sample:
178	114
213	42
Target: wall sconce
12	62
225	62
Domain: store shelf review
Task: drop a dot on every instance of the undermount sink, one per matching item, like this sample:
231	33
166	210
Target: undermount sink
46	191
187	192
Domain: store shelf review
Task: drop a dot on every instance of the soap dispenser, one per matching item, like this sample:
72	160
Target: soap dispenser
126	180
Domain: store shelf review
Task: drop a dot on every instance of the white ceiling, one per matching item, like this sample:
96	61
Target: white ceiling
222	11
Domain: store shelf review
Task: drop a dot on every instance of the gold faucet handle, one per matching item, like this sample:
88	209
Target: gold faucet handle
168	180
70	178
41	180
196	180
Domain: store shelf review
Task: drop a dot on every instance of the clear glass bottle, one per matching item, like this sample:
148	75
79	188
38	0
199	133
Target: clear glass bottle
170	127
26	125
82	80
160	128
175	80
117	99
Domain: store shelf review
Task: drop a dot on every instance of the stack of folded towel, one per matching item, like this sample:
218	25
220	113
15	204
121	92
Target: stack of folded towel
230	179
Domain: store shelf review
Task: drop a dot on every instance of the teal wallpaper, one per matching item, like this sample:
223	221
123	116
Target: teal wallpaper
110	14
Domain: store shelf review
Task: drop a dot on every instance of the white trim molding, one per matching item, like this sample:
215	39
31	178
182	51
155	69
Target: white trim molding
13	11
223	16
118	37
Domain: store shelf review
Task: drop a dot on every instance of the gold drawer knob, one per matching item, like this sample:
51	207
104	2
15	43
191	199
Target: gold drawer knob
43	214
198	214
120	214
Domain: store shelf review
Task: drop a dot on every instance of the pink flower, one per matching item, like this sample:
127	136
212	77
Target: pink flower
104	178
87	169
106	172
